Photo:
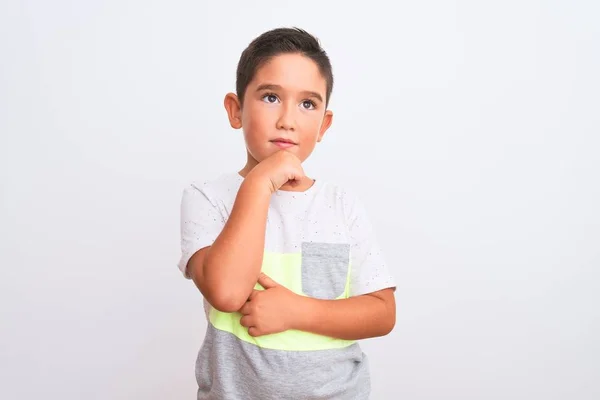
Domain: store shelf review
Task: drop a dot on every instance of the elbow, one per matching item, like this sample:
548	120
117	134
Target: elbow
224	296
389	320
386	320
225	301
384	328
389	325
218	290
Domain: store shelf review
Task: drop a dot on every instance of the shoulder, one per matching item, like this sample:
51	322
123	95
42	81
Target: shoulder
218	186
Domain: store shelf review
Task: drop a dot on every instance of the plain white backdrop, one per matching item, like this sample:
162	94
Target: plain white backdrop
470	129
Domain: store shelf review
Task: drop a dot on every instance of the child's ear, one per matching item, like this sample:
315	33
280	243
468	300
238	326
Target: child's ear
327	120
234	110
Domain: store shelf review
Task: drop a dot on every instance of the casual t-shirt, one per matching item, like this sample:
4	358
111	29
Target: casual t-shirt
318	243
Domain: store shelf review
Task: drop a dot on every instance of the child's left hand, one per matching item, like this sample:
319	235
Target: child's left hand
270	310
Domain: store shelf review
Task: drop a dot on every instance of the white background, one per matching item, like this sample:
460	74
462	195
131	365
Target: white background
470	129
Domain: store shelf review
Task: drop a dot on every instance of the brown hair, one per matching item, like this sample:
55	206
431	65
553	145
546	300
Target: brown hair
281	41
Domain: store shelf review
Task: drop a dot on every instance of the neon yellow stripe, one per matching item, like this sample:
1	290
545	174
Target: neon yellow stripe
284	269
291	340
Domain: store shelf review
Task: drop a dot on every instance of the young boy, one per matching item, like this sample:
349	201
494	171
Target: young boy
289	267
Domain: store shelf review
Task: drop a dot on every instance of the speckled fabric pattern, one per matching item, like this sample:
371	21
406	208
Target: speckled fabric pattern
330	230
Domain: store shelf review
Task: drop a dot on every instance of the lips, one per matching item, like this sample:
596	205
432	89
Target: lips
282	140
283	143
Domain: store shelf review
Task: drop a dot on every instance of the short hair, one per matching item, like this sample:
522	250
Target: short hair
276	42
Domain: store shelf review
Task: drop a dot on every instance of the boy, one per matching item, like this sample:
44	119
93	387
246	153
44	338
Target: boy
288	265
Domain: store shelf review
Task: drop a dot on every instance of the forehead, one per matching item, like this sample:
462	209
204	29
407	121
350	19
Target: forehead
293	72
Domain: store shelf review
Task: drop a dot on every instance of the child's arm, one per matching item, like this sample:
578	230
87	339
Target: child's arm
227	271
369	310
277	309
361	317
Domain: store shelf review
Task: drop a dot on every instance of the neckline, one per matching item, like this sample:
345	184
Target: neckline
290	193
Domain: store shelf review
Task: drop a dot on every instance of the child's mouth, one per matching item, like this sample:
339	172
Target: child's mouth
283	143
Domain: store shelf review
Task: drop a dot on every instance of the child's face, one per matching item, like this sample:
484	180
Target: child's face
285	101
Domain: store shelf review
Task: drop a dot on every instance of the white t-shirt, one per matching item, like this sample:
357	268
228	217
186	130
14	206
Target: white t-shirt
318	243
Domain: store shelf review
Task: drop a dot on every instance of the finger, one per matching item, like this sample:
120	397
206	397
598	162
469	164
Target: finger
266	282
253	331
246	321
253	294
245	310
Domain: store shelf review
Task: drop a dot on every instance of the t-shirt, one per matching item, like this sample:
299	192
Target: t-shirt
318	243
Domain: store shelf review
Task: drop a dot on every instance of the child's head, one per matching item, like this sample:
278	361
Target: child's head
277	42
284	83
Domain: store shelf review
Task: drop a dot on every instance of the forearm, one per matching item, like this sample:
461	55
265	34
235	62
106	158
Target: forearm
233	263
355	318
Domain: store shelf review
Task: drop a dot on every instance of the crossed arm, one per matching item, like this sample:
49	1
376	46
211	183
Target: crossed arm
226	275
277	309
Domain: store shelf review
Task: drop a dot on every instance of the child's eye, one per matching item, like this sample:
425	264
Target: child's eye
270	98
308	104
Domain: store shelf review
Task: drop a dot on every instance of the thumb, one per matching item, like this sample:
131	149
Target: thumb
266	282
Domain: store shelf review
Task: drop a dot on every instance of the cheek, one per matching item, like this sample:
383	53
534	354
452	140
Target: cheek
312	125
255	118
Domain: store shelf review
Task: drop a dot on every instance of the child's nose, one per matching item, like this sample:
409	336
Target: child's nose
287	119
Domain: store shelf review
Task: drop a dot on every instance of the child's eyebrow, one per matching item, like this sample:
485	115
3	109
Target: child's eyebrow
269	86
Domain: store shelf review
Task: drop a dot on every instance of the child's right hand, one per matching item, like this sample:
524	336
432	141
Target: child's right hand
278	169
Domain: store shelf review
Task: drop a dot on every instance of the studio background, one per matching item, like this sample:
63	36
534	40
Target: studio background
469	129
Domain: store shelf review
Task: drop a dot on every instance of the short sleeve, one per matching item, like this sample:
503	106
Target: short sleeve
369	268
201	223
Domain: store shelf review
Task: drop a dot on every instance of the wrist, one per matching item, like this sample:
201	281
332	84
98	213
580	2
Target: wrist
257	184
301	313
